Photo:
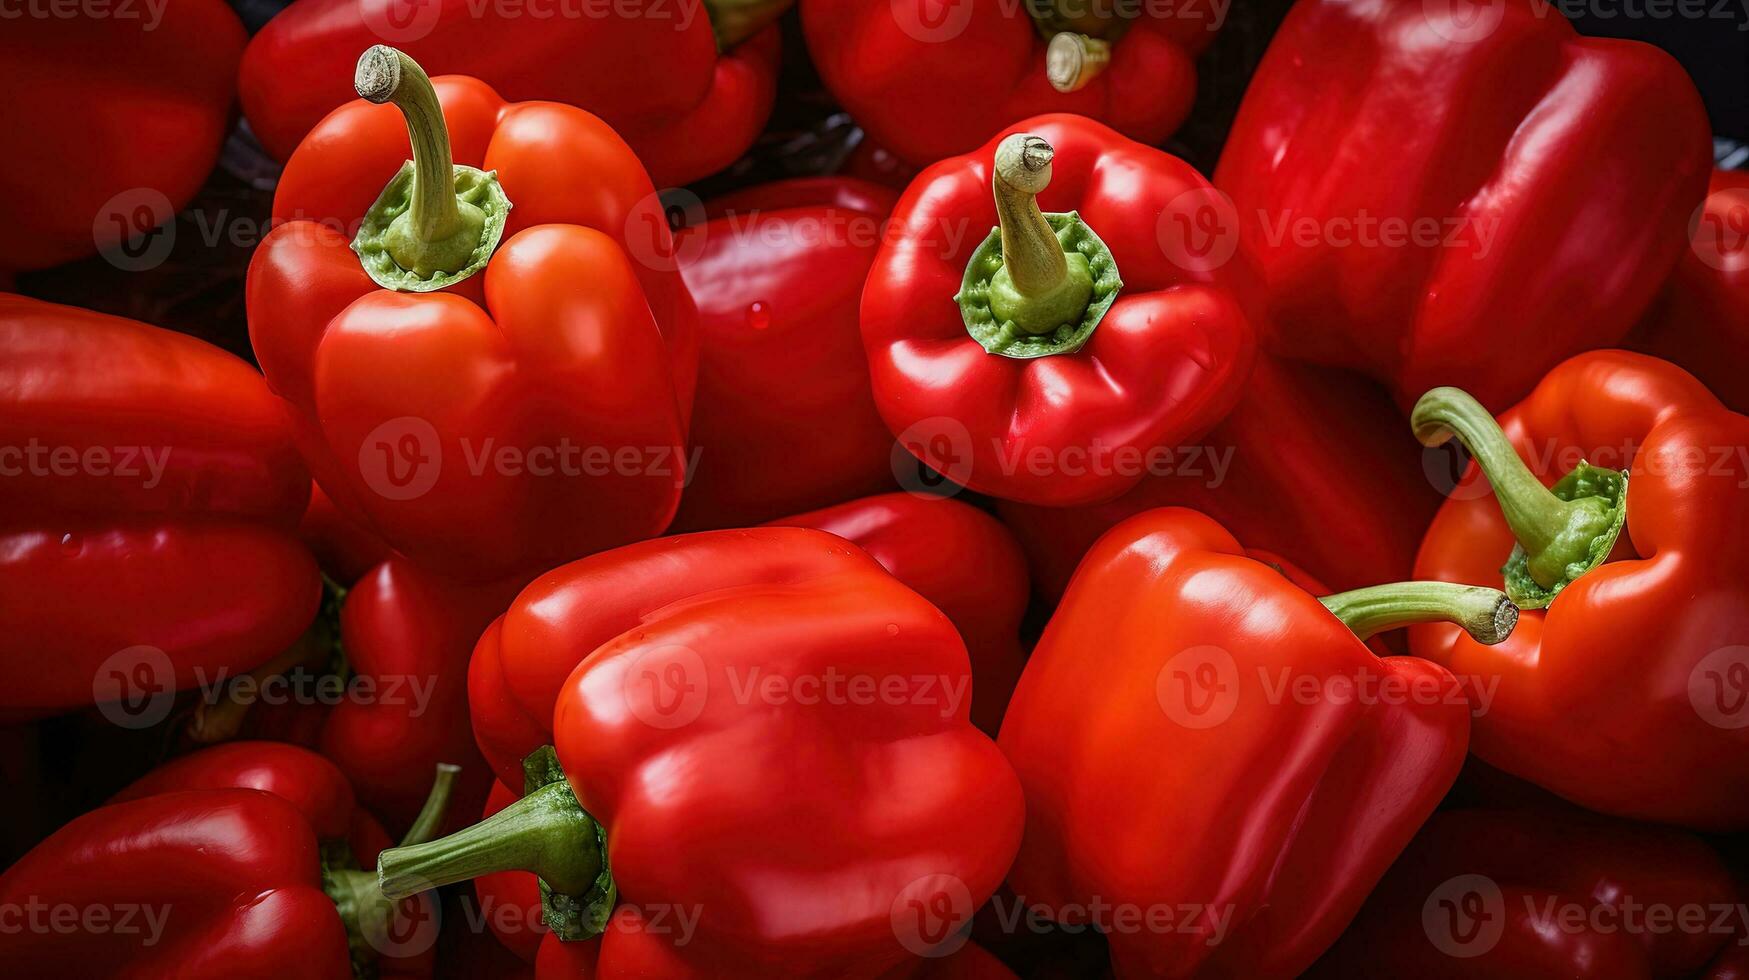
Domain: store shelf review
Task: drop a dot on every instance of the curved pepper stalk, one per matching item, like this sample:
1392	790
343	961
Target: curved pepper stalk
363	907
1563	531
436	222
1040	283
1488	615
547	832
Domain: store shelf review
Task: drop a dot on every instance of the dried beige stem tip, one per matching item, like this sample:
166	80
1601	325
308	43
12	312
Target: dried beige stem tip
1072	60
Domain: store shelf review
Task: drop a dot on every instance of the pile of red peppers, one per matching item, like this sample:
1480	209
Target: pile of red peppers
996	542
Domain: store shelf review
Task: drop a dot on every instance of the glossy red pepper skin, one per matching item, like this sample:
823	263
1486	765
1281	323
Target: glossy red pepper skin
581	961
635	659
238	870
397	707
168	482
1297	805
929	543
1312	464
1529	893
1165	364
784	419
313	784
500	357
510	903
408	635
1553	177
687	110
349	835
1605	696
1702	320
929	82
112	123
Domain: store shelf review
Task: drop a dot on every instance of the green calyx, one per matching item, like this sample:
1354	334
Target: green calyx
366	912
573	915
1040	283
436	223
546	832
1563	531
1486	614
1583	540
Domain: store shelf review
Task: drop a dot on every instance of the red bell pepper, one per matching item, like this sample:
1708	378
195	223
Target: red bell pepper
688	92
784	419
1633	678
1254	768
234	861
1702	320
156	471
389	699
1309	464
111	123
344	548
732	707
559	960
1530	894
313	784
930	81
928	543
1018	362
536	412
1428	186
407	636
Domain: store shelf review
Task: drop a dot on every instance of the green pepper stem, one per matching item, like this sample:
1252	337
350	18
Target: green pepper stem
735	21
1030	250
430	818
1039	287
1486	614
1533	512
438	232
545	832
1072	60
1555	534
